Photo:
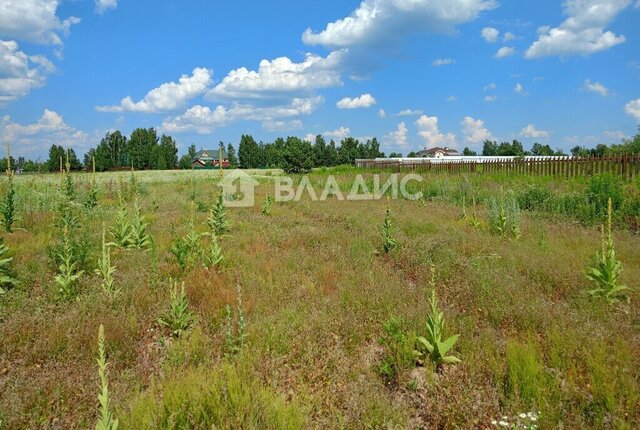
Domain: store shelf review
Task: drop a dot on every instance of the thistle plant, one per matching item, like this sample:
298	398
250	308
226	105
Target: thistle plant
68	273
105	270
432	346
389	243
139	236
9	206
213	256
235	332
266	206
122	232
179	318
6	279
217	221
605	270
106	420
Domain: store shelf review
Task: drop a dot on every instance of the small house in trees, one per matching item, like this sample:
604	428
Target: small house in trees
437	152
210	159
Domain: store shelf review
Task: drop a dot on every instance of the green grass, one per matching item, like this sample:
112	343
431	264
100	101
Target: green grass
316	293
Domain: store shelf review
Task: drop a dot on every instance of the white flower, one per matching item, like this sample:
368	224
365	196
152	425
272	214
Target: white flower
503	423
522	415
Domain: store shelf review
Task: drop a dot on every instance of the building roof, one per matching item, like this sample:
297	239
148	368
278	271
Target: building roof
210	155
435	150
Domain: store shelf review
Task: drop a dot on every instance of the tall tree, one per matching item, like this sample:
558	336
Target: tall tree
231	156
56	152
249	152
489	148
141	145
169	151
299	155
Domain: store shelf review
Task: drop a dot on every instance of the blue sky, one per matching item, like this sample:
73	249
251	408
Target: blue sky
413	73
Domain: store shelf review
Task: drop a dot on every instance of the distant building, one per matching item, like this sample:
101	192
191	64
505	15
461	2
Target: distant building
437	152
210	159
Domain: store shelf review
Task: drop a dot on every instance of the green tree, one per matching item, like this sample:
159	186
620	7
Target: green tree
489	148
468	152
141	145
539	149
373	149
56	152
249	152
348	150
186	159
299	155
231	156
169	151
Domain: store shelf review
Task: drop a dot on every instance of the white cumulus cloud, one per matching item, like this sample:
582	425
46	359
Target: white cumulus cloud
399	137
409	112
474	130
430	132
35	138
363	101
505	51
281	77
33	21
633	109
203	119
382	113
104	5
508	37
583	32
490	34
168	96
443	62
377	21
530	131
19	72
273	125
596	87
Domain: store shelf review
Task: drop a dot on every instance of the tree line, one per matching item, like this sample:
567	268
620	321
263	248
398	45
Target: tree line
144	149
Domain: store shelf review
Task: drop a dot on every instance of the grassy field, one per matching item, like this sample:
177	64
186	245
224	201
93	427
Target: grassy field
289	328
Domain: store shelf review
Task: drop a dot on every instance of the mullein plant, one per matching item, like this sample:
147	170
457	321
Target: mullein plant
266	206
9	204
6	279
106	420
179	319
121	232
105	270
389	243
474	221
606	268
69	186
212	257
92	196
432	347
236	333
139	236
68	272
217	220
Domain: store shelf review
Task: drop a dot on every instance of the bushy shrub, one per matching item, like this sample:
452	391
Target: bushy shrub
600	188
533	197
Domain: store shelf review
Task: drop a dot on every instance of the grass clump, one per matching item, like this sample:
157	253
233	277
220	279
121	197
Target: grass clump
504	216
206	398
399	348
106	420
606	268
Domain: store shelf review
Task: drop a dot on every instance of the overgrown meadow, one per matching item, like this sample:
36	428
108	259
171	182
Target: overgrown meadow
142	301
